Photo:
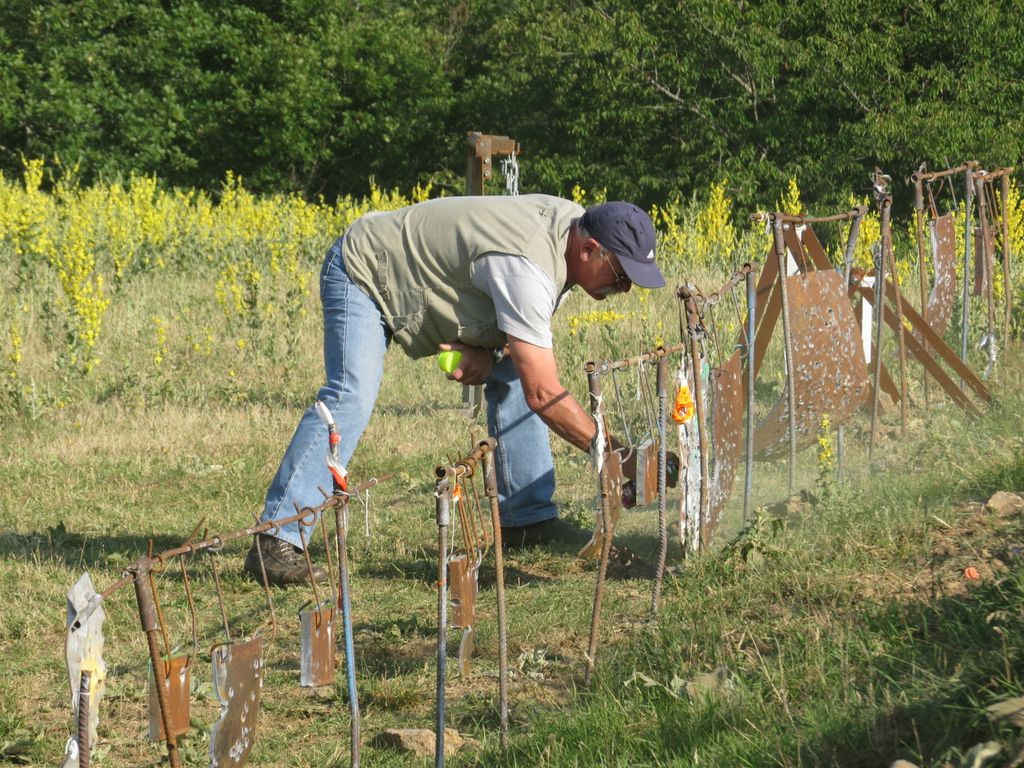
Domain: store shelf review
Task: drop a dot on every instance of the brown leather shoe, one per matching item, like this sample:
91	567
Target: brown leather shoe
284	563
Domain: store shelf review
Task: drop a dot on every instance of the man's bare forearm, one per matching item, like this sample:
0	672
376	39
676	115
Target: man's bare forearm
566	418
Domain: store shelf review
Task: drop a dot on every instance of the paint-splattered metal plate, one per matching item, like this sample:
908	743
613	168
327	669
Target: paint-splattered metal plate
830	375
238	683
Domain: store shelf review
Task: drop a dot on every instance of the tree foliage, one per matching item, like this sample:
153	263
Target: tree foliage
646	98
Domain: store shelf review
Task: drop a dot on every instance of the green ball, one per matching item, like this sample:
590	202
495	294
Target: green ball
449	360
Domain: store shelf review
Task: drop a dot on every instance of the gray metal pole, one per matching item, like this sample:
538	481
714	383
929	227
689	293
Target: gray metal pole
968	238
491	489
780	254
442	494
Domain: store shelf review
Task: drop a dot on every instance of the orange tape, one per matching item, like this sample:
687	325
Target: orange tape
684	407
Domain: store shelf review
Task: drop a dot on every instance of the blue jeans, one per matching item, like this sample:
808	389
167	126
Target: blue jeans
355	340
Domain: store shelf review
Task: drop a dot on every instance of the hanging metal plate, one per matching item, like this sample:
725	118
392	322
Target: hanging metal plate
728	387
238	682
943	293
984	247
176	678
646	472
466	647
316	657
462	586
831	377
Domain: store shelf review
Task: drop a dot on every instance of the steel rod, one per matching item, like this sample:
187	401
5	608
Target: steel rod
988	266
1007	288
922	272
345	604
848	254
602	367
661	383
879	315
443	496
796	218
748	473
966	296
935	175
607	530
84	705
780	254
887	254
224	538
147	617
491	489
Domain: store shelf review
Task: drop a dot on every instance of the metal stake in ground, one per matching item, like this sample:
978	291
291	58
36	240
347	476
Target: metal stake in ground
607	524
748	473
968	237
1007	293
848	253
340	479
443	500
147	616
491	486
885	203
781	256
662	387
922	271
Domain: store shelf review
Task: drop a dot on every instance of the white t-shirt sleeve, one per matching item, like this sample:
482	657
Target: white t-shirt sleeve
523	295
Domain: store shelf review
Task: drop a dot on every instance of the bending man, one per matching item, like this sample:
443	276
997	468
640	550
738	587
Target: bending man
482	275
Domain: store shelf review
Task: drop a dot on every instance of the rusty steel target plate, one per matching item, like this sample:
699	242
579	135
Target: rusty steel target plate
316	657
726	433
462	588
175	676
238	683
943	293
831	377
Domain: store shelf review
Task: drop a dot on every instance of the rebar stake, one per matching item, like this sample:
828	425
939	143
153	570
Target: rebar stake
147	617
443	498
84	702
345	604
965	318
748	471
662	387
780	255
491	489
594	385
922	271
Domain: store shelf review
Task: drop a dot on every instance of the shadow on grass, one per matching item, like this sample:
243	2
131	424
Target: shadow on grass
951	660
79	551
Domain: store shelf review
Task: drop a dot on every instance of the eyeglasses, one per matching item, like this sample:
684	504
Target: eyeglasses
621	281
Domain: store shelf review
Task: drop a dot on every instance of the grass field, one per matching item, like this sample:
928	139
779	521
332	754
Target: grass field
839	633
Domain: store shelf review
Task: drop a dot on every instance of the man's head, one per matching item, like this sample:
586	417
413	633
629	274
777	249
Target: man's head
614	243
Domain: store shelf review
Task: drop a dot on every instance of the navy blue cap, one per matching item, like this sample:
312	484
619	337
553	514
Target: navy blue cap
628	232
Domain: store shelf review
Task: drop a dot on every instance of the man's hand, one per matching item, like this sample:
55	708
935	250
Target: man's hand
475	365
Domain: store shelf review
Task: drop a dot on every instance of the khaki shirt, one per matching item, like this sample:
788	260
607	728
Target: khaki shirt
415	262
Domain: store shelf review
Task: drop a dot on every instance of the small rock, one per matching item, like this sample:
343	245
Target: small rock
981	754
420	741
1010	711
902	764
1005	503
715	684
794	506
